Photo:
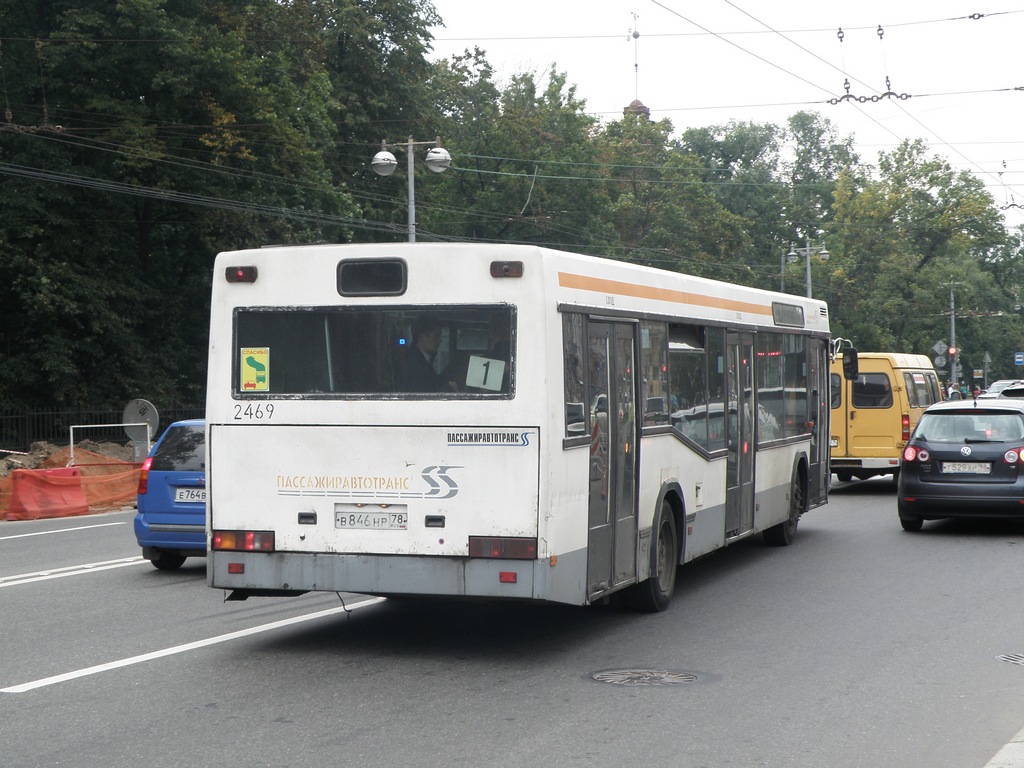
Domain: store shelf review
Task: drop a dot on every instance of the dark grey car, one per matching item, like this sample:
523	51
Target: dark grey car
963	460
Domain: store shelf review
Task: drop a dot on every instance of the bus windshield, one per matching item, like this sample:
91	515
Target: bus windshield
450	352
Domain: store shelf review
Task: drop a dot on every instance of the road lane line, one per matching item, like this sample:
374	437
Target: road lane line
59	530
183	648
70	570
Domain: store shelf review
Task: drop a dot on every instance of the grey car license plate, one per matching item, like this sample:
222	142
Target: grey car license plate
966	468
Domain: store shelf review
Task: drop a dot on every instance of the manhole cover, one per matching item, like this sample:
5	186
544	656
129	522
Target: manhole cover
643	677
1013	658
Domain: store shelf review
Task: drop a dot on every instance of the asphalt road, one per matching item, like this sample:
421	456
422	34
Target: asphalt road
860	645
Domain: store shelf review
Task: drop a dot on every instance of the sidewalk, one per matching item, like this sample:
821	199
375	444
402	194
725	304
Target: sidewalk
1011	755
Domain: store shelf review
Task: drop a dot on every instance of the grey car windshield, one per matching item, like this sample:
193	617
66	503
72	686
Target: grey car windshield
974	426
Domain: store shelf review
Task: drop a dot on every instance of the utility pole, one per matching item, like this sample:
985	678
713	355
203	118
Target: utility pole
952	334
954	365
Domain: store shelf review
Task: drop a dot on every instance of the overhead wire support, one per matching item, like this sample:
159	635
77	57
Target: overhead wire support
889	93
9	124
634	33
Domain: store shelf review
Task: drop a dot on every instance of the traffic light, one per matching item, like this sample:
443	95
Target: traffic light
952	351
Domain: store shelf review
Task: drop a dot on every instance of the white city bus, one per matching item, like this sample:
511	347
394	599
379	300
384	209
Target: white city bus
500	421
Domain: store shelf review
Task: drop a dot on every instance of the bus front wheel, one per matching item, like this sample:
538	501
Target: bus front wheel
655	593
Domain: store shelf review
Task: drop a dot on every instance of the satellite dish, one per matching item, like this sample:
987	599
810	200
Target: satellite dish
139	412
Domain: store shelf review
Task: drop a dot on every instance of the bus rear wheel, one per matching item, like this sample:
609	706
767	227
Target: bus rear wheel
655	593
782	535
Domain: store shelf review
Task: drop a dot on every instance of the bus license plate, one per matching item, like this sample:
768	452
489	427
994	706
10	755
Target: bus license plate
966	468
197	495
374	521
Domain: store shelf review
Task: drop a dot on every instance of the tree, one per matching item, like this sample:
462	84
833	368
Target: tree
145	137
818	157
900	243
741	162
665	213
525	163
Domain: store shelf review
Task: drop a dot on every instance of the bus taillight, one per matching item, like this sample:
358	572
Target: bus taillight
906	427
240	274
506	269
503	547
243	541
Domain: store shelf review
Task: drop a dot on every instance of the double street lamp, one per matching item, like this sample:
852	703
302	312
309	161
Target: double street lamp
384	164
794	253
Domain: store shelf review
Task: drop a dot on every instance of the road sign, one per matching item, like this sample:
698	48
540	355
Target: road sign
140	412
1018	358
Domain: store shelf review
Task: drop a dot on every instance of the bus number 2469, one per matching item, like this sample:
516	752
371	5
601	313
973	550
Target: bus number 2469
258	411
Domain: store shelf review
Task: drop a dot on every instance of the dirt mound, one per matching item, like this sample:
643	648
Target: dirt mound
39	453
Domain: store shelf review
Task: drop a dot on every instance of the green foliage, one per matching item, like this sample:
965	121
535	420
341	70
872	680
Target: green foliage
222	106
144	136
665	214
525	168
907	240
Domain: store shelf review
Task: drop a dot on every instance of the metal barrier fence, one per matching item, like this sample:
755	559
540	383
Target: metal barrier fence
19	429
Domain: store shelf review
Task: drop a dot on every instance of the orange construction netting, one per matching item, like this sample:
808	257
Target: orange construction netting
99	483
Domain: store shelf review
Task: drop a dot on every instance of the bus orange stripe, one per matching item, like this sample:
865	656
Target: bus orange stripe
602	285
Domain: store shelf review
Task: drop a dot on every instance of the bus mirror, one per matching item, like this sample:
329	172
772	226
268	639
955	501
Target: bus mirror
850	369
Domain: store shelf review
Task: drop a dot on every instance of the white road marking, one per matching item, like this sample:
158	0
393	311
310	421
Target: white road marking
71	570
183	648
59	530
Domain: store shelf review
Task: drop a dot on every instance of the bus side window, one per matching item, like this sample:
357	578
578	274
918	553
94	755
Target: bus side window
872	390
908	379
572	350
933	388
654	399
688	383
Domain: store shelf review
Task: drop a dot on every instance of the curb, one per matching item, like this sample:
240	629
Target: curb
1011	755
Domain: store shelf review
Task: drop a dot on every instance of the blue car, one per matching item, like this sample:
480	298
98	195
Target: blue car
171	522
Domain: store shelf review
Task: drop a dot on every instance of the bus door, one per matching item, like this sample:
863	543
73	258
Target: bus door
739	425
611	546
818	414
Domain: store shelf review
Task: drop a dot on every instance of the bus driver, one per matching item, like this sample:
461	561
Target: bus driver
417	373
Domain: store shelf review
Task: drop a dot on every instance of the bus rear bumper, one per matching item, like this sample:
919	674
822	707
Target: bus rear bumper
863	469
885	464
292	573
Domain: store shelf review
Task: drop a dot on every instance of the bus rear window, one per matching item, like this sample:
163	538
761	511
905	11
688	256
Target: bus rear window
449	352
372	277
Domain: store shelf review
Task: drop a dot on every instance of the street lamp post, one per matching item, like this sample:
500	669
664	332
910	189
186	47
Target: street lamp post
795	251
384	164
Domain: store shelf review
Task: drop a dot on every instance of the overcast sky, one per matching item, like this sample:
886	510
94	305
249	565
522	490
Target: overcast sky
709	62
